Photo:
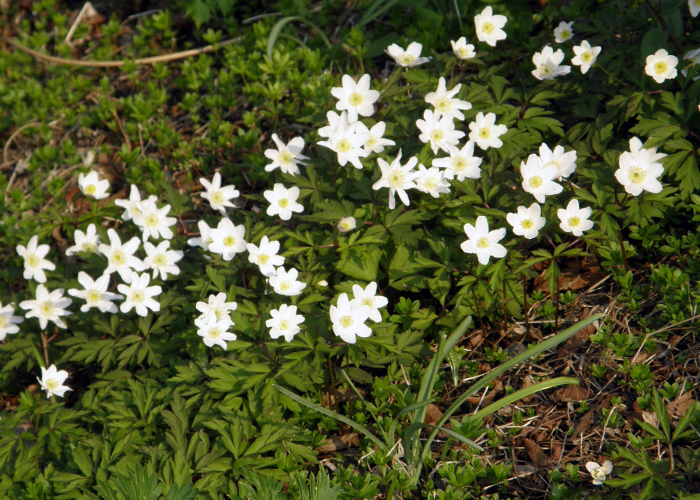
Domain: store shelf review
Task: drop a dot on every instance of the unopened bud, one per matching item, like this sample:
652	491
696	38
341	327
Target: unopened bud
347	224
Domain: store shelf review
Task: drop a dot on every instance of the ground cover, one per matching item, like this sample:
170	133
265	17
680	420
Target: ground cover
162	402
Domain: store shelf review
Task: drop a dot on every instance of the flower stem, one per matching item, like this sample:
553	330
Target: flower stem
527	315
624	252
611	76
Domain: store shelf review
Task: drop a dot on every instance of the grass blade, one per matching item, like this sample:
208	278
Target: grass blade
277	28
332	414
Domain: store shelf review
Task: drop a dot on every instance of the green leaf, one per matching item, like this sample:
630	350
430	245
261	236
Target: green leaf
654	40
523	393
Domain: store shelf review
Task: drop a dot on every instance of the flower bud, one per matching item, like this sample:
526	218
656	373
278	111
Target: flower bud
347	224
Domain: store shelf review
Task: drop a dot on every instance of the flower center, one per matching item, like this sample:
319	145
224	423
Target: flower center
93	296
284	325
138	296
459	163
217	197
151	220
90	189
406	58
47	308
160	260
215	332
430	183
355	99
637	175
586	57
599	474
368	301
660	67
574	221
218	312
263	258
485	133
463	52
565	34
344	145
88	247
286	157
443	104
397	179
482	242
285	285
119	258
371	142
527	224
52	384
437	135
488	28
554	163
229	241
4	321
536	181
33	260
547	69
346	321
283	203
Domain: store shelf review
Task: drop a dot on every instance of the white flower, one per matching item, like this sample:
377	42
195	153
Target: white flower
661	66
565	162
694	57
283	201
90	185
132	206
397	178
161	259
346	139
445	103
368	297
286	157
204	240
139	294
285	283
462	49
547	64
8	322
120	257
694	6
356	98
600	472
488	27
538	180
47	307
95	293
376	141
461	163
85	242
217	195
347	224
349	322
563	32
432	181
409	57
482	242
154	221
218	305
265	257
214	330
527	222
34	262
52	381
227	239
636	147
585	56
284	322
639	173
485	132
575	220
440	133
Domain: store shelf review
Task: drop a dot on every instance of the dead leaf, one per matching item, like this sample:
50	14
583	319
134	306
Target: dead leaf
490	395
337	443
537	455
432	415
585	423
570	394
680	406
56	233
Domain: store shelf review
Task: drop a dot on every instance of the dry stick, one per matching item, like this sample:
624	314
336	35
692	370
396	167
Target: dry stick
334	394
46	350
116	64
505	309
556	311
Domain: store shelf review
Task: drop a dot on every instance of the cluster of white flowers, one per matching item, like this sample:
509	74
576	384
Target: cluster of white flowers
349	316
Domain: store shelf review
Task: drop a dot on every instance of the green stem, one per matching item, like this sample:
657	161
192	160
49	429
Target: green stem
611	76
